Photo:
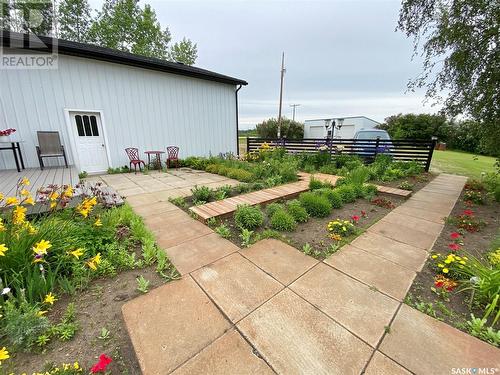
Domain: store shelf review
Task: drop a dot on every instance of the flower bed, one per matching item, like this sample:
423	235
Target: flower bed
460	283
50	265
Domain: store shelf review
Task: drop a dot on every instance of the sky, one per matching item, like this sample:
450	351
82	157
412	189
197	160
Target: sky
342	58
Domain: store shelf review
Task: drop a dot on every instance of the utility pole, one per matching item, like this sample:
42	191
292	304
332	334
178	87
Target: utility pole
281	92
293	113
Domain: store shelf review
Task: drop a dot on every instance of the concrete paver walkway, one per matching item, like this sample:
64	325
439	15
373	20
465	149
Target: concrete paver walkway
271	309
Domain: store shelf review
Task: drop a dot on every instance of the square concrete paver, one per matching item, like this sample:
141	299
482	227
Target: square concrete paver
196	253
425	345
442	209
171	324
405	234
296	338
236	285
162	222
405	255
435	217
229	354
154	208
363	311
381	273
179	232
413	222
282	261
382	365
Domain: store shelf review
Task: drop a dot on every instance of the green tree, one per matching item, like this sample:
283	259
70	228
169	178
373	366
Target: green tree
417	126
74	20
150	39
289	129
460	45
34	16
185	52
116	24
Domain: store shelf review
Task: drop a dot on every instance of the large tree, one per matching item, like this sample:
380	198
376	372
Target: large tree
459	42
185	52
34	16
150	39
74	19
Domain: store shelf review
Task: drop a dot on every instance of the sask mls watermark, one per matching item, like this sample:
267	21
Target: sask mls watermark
474	370
27	38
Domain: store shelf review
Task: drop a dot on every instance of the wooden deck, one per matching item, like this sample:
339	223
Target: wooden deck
38	178
227	206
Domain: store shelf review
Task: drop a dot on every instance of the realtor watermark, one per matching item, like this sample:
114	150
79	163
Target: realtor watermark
474	371
21	46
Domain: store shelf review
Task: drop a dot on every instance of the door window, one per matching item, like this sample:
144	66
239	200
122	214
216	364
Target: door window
86	126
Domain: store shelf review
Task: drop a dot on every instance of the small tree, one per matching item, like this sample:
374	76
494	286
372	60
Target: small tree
417	126
74	19
289	129
184	51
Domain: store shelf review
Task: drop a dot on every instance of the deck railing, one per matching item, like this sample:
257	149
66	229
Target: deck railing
400	150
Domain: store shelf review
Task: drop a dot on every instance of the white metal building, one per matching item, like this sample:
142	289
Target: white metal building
123	100
345	127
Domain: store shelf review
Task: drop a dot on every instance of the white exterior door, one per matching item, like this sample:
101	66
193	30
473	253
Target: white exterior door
90	144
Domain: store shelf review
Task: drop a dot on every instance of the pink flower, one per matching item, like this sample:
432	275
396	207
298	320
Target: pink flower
355	218
454	235
468	212
101	366
454	246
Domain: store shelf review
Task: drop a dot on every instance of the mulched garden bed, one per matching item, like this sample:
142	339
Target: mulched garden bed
455	307
418	182
98	307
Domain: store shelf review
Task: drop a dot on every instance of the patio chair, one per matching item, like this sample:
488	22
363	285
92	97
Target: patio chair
133	155
49	146
173	156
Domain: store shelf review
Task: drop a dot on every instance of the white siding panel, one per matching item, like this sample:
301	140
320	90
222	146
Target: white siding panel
142	108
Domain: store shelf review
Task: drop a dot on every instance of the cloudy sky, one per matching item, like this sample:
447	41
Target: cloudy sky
342	57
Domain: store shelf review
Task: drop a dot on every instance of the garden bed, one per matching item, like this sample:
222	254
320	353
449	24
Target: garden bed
446	295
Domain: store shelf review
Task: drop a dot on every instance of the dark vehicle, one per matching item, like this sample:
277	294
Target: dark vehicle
371	142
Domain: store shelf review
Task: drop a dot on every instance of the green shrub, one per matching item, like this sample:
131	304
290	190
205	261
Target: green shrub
243	188
240	175
333	196
283	221
248	217
257	186
315	184
202	193
267	233
316	205
328	169
359	175
273	207
298	212
212	168
348	193
223	231
21	325
290	129
369	191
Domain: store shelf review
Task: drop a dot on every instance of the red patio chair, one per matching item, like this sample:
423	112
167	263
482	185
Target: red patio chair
133	155
173	156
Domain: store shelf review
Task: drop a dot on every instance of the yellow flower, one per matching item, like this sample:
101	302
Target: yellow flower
50	298
1	197
94	262
440	265
76	366
447	261
91	265
24	192
98	223
10	201
434	256
446	270
18	215
41	247
77	253
462	262
53	204
97	258
31	229
4	354
3	249
41	313
68	192
25	181
29	200
2	227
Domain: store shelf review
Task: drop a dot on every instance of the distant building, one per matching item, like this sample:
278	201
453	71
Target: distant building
337	127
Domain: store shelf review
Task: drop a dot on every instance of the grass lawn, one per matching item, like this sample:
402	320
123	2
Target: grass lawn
462	163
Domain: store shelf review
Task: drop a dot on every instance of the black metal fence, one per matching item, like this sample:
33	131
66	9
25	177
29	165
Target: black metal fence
400	150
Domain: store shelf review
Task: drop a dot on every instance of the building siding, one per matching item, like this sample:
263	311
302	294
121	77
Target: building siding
141	108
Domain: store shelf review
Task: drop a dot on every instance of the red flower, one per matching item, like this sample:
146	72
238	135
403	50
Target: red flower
439	283
355	218
454	246
454	235
101	366
468	212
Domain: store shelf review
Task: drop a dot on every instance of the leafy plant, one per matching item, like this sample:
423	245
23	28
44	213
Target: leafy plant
348	193
104	334
223	230
223	192
82	175
273	207
248	217
405	185
333	195
142	284
298	212
283	221
315	204
202	193
178	201
246	237
383	202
